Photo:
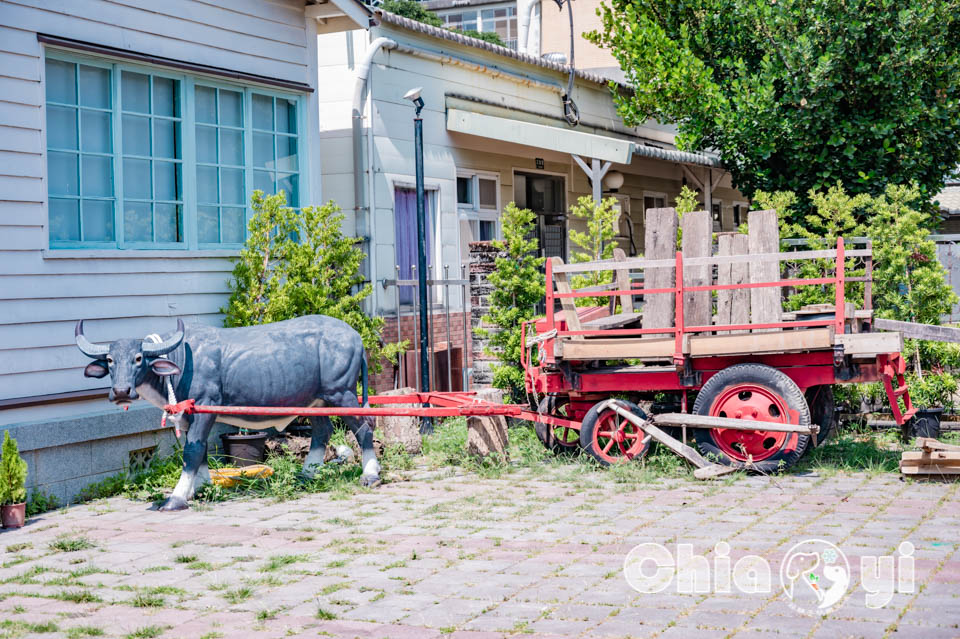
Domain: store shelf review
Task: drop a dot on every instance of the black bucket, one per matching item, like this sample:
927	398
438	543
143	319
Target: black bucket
925	423
243	450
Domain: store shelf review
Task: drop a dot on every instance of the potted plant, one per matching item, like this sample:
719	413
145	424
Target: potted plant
244	448
13	484
930	394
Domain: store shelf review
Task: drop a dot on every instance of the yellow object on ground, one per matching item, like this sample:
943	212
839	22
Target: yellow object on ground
228	477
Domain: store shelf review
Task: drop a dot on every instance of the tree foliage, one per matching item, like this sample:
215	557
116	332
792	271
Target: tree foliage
13	473
596	244
300	263
413	10
517	283
798	94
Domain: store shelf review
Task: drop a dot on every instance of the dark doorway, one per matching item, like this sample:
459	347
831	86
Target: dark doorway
545	196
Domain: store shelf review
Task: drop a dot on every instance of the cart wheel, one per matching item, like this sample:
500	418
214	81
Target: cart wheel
758	392
611	439
822	412
560	440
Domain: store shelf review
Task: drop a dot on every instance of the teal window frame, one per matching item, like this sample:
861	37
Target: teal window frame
188	152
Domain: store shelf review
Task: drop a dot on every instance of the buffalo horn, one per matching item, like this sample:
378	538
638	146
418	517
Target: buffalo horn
88	348
156	350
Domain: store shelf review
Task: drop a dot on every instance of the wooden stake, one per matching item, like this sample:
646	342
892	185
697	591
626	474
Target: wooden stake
660	242
764	237
697	242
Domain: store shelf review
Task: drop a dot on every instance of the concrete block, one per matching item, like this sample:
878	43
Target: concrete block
487	435
64	462
399	430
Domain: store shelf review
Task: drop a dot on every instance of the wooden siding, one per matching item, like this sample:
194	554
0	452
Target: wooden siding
123	293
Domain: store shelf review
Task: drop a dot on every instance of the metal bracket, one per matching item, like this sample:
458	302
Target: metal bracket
688	377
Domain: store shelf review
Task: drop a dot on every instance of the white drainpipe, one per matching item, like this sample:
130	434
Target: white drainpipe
525	27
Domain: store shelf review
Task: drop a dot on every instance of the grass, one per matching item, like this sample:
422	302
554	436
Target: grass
238	595
9	629
145	600
277	562
19	547
854	451
78	596
325	615
146	632
67	543
185	559
77	632
332	588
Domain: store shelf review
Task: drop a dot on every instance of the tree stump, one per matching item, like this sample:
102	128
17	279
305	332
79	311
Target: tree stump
487	434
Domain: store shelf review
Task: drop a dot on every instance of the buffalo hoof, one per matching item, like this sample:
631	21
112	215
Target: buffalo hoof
370	481
174	503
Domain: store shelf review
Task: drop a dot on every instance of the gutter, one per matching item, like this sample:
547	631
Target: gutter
680	157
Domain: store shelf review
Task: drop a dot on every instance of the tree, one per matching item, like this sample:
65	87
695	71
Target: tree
413	10
798	94
517	288
13	473
596	244
296	264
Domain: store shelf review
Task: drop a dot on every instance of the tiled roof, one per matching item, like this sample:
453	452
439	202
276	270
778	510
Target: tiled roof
949	199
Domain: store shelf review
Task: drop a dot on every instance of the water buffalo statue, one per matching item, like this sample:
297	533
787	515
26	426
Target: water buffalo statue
307	361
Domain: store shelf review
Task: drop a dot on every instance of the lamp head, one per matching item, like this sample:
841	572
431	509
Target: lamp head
414	96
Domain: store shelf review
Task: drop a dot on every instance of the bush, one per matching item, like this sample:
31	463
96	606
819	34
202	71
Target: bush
301	263
13	473
596	244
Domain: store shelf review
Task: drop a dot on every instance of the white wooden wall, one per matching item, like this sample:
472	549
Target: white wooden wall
125	293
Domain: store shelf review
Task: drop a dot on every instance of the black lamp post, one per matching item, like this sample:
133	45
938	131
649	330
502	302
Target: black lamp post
414	96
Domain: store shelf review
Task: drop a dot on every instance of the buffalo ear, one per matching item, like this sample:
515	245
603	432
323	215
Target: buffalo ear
96	369
164	367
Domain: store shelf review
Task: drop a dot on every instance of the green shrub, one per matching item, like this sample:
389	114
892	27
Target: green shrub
596	244
300	263
13	473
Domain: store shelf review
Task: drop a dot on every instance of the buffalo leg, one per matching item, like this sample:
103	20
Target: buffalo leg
362	429
320	436
194	463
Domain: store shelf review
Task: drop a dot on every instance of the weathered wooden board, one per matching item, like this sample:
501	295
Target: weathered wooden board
733	306
923	458
569	308
615	348
919	331
709	421
660	242
870	343
775	341
764	237
622	279
697	240
932	469
929	443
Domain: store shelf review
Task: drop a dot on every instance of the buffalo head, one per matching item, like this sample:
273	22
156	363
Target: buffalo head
128	361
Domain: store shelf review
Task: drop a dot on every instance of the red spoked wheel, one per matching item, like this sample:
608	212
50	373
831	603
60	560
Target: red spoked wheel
559	440
759	393
612	439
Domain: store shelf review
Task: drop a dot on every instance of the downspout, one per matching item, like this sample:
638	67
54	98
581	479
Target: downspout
359	97
526	26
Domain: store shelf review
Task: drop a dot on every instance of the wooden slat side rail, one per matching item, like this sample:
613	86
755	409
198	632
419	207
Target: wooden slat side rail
771	342
623	282
569	307
697	241
861	344
764	237
660	243
622	348
919	331
733	305
644	263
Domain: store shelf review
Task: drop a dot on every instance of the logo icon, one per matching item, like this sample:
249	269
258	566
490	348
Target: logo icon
815	576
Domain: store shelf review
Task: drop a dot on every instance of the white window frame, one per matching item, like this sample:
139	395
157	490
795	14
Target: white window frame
654	194
473	213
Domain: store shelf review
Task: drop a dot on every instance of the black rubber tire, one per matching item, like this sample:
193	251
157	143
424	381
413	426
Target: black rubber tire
590	423
545	432
758	374
822	412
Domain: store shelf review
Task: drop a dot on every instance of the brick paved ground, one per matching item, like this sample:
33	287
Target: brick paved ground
537	556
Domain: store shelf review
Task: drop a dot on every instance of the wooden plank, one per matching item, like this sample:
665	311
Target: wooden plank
660	242
613	348
929	443
770	342
620	320
638	262
924	458
919	331
733	306
568	305
764	237
623	282
697	240
708	421
870	343
715	470
930	470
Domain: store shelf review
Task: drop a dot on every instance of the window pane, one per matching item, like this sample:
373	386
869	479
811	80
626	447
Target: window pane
206	144
231	147
136	135
487	230
136	179
94	87
286	116
464	190
263	150
232	221
488	193
286	153
262	112
165	100
166	139
97	176
207	184
135	92
206	101
64	219
137	222
63	176
61	127
208	224
167	219
61	82
97	220
166	184
231	108
231	186
288	184
263	180
97	135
